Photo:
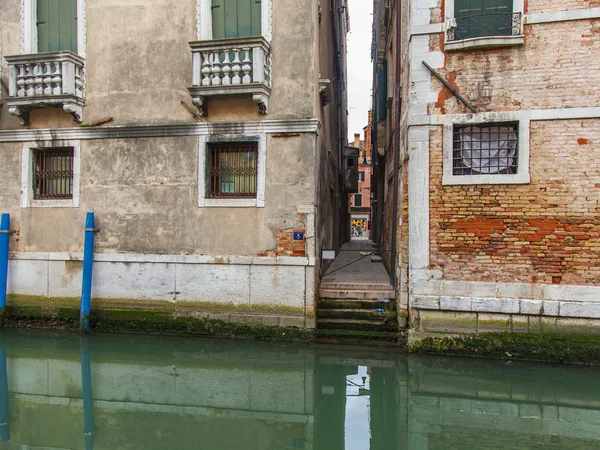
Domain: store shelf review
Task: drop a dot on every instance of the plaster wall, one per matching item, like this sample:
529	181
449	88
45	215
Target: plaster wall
138	71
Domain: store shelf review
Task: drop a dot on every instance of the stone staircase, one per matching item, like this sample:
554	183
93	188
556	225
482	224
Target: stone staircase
357	312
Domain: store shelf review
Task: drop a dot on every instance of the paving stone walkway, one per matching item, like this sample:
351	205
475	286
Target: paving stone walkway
362	270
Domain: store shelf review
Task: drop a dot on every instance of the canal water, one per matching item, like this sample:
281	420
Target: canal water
62	391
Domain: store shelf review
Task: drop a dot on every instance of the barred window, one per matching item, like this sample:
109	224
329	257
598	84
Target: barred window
53	173
485	149
232	170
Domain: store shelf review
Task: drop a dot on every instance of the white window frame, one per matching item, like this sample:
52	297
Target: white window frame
484	41
27	200
29	37
204	19
521	177
203	149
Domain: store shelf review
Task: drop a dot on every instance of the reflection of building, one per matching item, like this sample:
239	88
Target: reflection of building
360	202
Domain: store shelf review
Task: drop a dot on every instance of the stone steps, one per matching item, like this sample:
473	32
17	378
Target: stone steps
357	325
356	337
356	313
350	303
356	287
355	294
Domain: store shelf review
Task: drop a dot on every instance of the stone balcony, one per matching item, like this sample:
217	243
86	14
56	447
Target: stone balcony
43	80
232	67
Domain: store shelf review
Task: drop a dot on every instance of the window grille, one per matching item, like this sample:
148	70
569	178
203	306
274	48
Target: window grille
232	170
53	173
485	149
358	200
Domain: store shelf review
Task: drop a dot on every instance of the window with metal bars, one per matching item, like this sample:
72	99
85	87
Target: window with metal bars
485	149
53	173
232	170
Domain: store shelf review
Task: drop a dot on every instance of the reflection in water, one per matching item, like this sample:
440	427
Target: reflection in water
167	393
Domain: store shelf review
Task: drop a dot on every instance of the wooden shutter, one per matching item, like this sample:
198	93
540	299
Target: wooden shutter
57	25
477	18
236	18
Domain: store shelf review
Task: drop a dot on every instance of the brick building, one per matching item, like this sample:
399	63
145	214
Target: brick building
494	211
360	202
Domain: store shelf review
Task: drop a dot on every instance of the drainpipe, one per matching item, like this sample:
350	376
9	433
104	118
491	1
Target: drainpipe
396	145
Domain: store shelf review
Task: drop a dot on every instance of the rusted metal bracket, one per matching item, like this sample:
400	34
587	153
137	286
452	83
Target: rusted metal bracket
450	88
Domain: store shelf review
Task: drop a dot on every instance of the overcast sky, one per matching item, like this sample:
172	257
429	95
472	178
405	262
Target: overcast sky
360	70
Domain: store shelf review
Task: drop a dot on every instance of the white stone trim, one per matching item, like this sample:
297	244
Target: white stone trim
204	20
521	177
27	200
167	259
166	130
562	16
485	42
29	38
418	198
534	115
429	292
259	201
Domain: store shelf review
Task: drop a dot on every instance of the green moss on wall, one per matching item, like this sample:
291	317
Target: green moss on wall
566	348
146	321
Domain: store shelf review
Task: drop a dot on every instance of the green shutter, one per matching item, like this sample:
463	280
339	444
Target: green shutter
236	18
477	18
57	25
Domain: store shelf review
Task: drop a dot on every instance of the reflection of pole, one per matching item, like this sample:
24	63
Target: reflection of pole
4	429
86	391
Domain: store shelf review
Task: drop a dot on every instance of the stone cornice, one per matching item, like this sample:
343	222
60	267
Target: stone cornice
182	129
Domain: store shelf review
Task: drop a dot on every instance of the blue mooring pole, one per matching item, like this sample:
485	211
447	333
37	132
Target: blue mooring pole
86	285
4	428
4	238
86	391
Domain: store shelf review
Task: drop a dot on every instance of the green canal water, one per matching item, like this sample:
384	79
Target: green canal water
62	391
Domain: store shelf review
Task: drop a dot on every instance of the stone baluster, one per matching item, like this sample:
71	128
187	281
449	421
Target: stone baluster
78	82
226	70
48	78
21	81
236	67
39	80
216	69
57	79
29	80
246	67
206	69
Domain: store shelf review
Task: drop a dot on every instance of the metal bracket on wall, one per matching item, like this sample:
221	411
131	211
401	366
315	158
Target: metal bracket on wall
450	88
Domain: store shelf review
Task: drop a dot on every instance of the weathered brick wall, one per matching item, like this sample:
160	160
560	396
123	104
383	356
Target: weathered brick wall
558	67
547	231
539	6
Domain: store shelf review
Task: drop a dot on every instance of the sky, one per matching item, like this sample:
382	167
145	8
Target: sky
360	70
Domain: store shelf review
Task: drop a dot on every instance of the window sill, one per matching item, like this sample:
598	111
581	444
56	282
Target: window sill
485	42
230	203
53	204
456	180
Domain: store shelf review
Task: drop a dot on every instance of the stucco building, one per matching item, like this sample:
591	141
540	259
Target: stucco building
493	211
207	137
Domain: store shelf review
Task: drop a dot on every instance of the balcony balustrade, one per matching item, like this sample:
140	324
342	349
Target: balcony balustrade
45	80
231	68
